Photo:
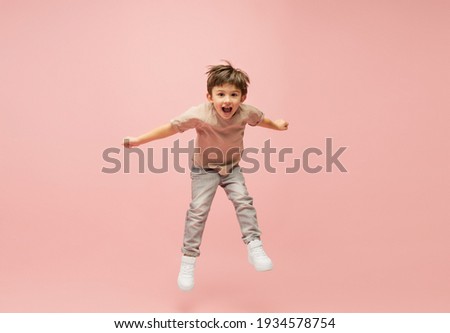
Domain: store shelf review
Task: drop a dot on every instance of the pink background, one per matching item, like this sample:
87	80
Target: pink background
77	76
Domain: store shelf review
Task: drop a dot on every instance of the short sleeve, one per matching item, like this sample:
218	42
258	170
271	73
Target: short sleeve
186	120
254	116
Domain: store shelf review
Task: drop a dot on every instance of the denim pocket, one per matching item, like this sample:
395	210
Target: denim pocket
196	171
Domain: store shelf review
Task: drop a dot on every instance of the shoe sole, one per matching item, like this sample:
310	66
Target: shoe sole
183	288
261	268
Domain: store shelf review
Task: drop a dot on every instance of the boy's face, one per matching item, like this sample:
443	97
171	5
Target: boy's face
226	100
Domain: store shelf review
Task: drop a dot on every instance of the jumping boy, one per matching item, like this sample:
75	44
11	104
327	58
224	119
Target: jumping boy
220	125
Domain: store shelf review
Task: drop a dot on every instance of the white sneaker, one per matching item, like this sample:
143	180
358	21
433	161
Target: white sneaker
257	257
186	275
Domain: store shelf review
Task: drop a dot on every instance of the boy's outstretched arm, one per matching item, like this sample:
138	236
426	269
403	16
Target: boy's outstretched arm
158	133
279	124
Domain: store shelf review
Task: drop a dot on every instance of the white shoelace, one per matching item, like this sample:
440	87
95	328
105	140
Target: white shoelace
187	269
258	252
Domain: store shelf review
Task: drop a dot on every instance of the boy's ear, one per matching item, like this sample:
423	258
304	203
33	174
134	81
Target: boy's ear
209	97
243	98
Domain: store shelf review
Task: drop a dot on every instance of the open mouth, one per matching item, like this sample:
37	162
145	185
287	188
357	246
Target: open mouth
227	109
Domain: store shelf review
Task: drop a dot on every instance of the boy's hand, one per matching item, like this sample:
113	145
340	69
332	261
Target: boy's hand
281	124
130	142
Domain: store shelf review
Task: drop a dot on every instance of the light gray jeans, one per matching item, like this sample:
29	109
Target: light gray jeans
204	187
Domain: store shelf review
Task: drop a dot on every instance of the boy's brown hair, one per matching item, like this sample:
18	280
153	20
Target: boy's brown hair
219	75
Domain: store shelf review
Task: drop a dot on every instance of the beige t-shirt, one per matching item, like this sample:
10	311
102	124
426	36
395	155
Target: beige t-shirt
219	141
